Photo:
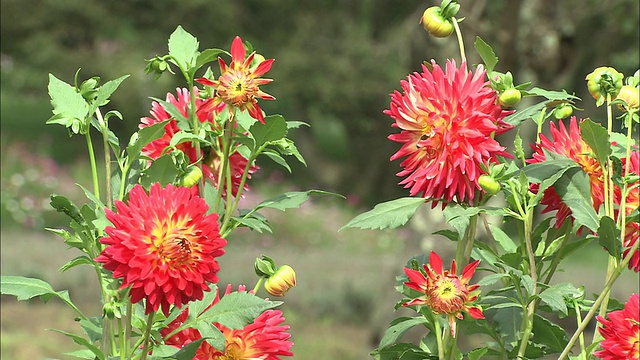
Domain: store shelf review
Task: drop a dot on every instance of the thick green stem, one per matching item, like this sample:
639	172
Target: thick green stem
147	335
439	334
224	163
579	320
107	156
533	272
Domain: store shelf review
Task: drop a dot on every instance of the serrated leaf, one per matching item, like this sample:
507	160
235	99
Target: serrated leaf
503	239
24	288
609	236
75	262
521	115
213	335
390	214
273	129
486	53
187	352
552	95
290	200
574	189
237	309
66	100
548	334
398	327
105	91
83	342
477	354
596	137
145	135
183	48
554	296
92	328
162	170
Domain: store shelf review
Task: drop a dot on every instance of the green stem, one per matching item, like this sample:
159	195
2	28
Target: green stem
579	320
224	162
598	302
122	340
257	287
533	272
147	335
556	260
94	169
127	327
223	229
439	334
463	57
107	156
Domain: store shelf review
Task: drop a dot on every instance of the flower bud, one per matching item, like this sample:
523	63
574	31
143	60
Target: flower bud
602	81
563	111
264	266
191	177
630	95
509	97
435	23
489	184
280	282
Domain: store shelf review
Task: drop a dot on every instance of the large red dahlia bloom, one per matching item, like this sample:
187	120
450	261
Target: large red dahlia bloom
264	339
621	332
238	84
447	121
444	291
205	110
163	245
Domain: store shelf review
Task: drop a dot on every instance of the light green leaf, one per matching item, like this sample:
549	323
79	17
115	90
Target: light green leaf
503	239
75	262
213	335
162	170
24	288
486	53
144	136
237	309
596	137
105	91
66	100
290	200
398	327
83	342
554	296
183	48
477	354
390	214
277	159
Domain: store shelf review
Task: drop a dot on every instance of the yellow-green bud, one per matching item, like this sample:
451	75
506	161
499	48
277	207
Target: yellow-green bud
630	95
280	282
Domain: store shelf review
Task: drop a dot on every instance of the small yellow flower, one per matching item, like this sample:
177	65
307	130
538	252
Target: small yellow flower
280	282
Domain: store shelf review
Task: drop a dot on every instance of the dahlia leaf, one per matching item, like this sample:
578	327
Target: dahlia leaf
398	327
92	327
185	136
548	334
503	239
212	335
390	214
75	262
273	129
477	354
66	100
595	135
187	352
486	53
401	351
82	354
183	48
181	120
237	309
287	147
204	57
82	341
574	189
552	95
64	205
277	159
104	92
143	137
521	115
609	236
296	124
25	288
290	200
554	296
162	170
243	118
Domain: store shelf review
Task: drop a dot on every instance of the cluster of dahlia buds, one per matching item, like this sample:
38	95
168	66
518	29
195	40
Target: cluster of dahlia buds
157	65
438	20
509	95
279	280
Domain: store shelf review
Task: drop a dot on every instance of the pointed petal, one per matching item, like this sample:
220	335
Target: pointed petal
416	301
207	82
468	271
263	67
475	312
256	112
263	95
452	325
237	50
436	262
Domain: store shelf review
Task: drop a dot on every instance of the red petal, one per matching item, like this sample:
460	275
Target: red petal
237	50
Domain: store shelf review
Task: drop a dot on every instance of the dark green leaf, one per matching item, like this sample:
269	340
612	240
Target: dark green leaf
144	136
92	328
596	137
574	189
554	296
206	56
609	236
390	214
552	95
75	262
82	341
521	115
64	205
277	159
162	170
273	129
449	234
476	354
548	334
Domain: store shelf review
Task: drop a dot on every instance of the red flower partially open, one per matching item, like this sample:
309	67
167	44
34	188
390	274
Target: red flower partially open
444	291
447	121
265	338
163	245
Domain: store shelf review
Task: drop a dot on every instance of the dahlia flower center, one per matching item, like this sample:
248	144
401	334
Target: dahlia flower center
174	245
234	351
237	88
448	295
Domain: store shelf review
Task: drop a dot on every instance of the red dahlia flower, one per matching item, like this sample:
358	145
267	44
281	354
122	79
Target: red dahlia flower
238	84
205	110
621	332
264	339
632	203
447	123
444	291
163	245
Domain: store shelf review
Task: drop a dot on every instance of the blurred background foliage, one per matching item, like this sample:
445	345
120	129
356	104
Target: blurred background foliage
336	63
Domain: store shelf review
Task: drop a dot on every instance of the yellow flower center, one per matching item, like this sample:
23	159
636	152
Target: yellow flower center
237	88
448	295
172	242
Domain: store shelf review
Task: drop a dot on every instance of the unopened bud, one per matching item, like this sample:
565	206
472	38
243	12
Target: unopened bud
280	282
630	95
191	177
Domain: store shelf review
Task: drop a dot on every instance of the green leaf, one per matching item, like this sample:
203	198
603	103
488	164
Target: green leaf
609	236
390	214
552	95
213	335
548	334
82	341
254	221
93	328
398	327
184	136
296	124
66	100
237	309
477	354
277	159
273	129
64	205
290	200
183	48
596	137
401	351
554	296
519	116
162	170
82	354
206	56
539	172
181	120
490	280
105	91
75	262
574	189
503	239
169	352
24	288
144	136
486	53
